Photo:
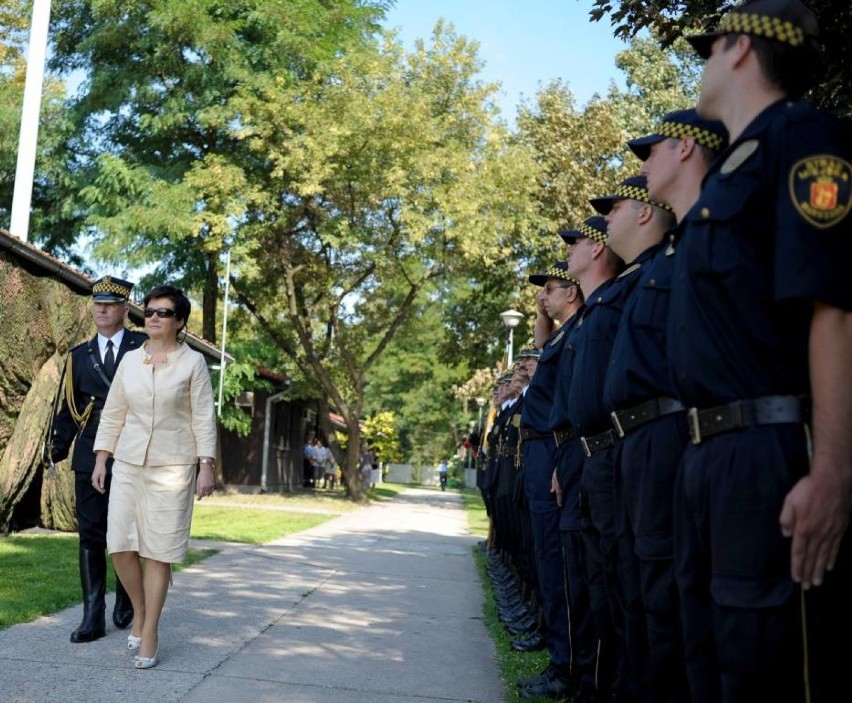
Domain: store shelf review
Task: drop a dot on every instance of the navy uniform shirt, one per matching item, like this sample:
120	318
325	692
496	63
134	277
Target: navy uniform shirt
559	411
768	235
638	370
591	345
539	400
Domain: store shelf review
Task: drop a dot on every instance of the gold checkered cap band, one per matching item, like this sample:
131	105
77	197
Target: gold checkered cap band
561	274
677	130
592	233
635	193
111	287
762	26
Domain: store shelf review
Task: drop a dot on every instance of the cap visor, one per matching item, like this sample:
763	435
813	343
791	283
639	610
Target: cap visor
107	298
641	146
569	236
703	44
603	205
537	279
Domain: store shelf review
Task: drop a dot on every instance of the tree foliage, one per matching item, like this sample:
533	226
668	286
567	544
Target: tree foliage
671	19
159	165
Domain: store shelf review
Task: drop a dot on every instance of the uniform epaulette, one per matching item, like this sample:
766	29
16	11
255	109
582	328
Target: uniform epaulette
630	269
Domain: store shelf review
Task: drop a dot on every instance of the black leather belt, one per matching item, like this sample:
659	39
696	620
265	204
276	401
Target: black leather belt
508	451
626	420
769	410
564	434
527	434
597	442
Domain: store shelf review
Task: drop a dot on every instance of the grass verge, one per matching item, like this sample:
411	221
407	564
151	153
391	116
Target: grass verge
40	575
249	525
513	665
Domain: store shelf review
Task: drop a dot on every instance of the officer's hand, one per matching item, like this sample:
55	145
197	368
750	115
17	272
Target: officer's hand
99	476
556	488
815	515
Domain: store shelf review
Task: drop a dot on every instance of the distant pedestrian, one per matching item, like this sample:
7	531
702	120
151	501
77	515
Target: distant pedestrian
442	474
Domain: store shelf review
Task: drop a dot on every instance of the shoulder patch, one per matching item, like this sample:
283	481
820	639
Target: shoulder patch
739	156
821	189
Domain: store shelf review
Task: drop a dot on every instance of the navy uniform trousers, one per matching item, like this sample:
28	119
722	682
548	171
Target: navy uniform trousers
645	484
539	464
733	566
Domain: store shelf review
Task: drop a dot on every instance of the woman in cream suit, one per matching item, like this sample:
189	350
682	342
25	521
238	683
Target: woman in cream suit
158	423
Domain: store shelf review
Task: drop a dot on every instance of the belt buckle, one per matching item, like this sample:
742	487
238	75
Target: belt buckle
694	425
619	430
586	447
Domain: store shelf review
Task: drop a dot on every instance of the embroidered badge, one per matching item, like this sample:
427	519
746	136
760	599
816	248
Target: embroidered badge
821	189
739	156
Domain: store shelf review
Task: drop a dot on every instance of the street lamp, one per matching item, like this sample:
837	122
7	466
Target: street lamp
511	319
480	402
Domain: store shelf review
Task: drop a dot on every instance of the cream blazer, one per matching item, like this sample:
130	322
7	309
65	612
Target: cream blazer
156	417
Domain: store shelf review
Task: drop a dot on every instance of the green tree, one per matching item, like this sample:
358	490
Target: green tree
382	183
159	164
671	19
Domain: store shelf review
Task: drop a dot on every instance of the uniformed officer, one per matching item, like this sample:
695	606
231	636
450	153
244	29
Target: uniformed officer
606	288
639	393
760	321
86	381
558	302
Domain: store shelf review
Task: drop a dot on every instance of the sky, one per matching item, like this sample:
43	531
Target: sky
524	43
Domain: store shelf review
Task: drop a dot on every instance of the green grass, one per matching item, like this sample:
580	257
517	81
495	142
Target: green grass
40	575
477	519
386	490
513	665
249	525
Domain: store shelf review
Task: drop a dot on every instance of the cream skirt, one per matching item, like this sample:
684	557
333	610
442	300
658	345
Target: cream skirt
150	510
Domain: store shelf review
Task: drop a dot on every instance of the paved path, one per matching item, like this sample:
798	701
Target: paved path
382	605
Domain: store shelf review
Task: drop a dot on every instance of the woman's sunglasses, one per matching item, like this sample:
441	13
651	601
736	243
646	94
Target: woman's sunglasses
159	312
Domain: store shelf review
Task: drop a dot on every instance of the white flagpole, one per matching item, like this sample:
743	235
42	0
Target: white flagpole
22	197
224	330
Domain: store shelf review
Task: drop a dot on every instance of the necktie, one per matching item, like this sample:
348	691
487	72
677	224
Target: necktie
109	361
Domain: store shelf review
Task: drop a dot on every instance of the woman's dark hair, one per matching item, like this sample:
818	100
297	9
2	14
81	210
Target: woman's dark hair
182	305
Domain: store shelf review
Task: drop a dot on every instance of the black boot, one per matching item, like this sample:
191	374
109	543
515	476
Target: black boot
93	581
122	612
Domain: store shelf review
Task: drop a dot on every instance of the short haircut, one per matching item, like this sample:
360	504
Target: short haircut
791	69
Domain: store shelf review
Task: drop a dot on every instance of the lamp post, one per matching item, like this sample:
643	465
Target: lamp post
511	319
480	402
470	445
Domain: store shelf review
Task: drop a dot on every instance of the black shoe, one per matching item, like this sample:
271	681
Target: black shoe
539	678
554	687
534	643
122	612
93	582
524	626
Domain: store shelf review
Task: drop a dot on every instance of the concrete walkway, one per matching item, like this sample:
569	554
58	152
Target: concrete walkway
382	605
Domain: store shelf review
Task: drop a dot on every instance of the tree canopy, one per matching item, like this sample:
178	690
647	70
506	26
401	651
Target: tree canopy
671	19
